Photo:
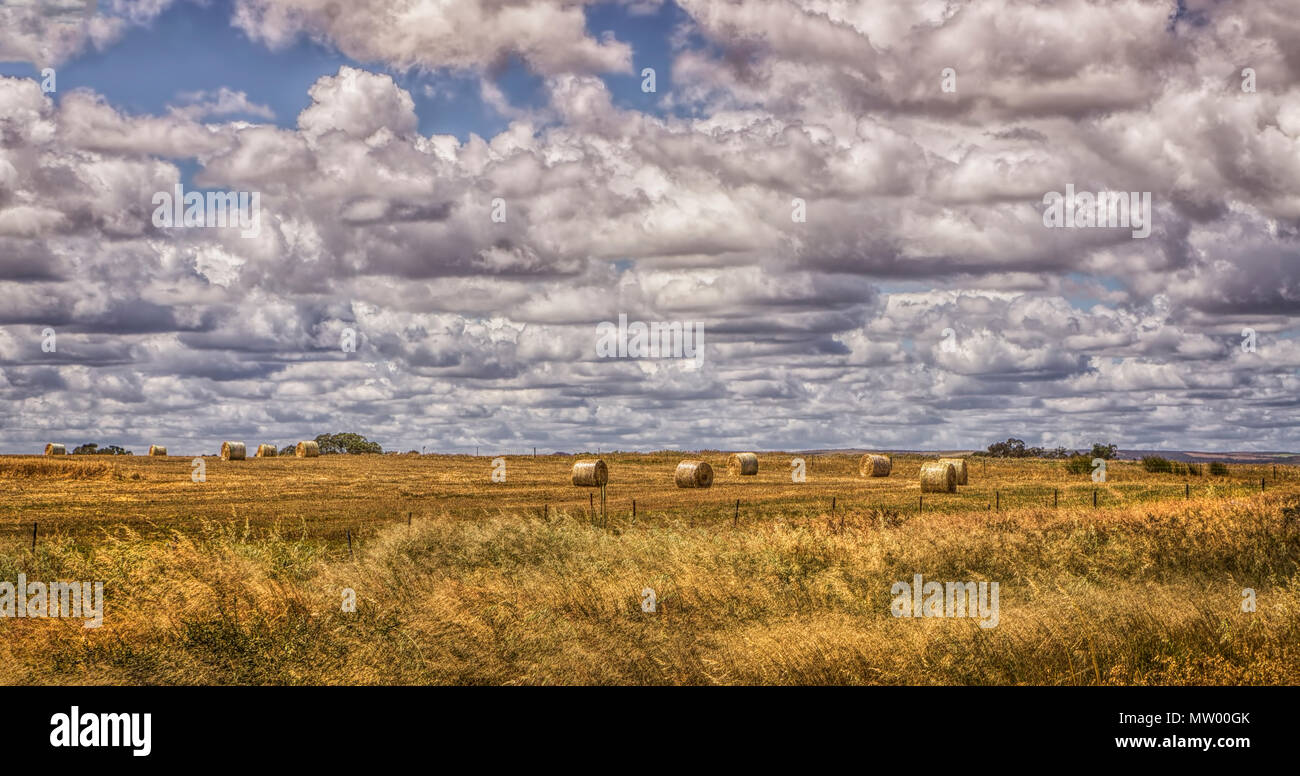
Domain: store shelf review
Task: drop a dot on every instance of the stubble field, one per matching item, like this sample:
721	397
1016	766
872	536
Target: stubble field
458	579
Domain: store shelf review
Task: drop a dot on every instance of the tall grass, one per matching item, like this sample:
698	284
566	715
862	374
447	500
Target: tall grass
1144	595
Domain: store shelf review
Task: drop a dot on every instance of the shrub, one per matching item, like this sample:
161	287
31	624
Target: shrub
1104	452
1078	464
1219	469
1157	464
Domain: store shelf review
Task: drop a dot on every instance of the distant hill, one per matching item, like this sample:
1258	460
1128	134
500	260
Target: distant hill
1123	455
1228	457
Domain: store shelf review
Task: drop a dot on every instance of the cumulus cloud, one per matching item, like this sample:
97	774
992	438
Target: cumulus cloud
550	35
48	32
221	102
865	251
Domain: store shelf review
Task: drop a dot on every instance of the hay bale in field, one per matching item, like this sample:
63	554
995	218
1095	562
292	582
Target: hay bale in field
693	474
875	465
307	449
742	463
265	451
55	449
233	451
938	477
960	465
157	450
590	474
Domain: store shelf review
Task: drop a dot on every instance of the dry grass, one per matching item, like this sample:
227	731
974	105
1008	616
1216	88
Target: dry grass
481	588
30	467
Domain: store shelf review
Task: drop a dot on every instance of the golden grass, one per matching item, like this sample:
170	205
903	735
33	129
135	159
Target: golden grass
486	587
31	467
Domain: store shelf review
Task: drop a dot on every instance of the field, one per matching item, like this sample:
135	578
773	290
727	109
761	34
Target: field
461	580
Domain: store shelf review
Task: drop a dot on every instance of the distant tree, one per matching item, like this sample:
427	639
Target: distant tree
1016	448
90	448
1105	452
347	443
1012	448
288	450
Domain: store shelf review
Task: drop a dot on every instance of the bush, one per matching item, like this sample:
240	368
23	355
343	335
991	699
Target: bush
1078	464
1194	469
1157	464
1219	469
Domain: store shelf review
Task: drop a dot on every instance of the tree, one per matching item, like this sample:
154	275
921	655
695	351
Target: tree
90	448
1013	448
348	443
1105	452
288	450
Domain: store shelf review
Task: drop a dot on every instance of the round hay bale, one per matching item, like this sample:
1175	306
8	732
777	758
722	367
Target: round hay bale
590	474
265	451
307	449
693	474
875	465
233	451
742	463
938	477
960	465
157	450
53	448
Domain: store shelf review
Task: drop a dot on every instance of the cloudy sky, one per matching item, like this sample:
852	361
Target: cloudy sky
847	196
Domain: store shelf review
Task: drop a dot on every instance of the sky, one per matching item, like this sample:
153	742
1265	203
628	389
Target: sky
852	201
